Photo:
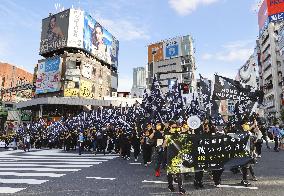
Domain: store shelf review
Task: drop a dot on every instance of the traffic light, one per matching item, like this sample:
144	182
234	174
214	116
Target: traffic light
185	88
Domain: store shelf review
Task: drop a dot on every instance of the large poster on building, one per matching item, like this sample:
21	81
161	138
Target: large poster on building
159	55
77	29
54	33
186	45
76	25
114	52
96	39
86	89
172	48
49	75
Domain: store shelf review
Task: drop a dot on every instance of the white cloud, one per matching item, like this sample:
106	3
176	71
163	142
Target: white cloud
124	29
232	51
185	7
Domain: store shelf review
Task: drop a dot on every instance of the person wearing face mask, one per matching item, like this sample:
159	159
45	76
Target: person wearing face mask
158	137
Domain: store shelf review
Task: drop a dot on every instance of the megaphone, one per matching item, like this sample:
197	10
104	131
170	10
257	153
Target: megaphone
193	122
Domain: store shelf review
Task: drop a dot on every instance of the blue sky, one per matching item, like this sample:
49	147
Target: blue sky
224	31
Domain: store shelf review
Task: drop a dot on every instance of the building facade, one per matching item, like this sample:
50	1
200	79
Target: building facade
172	60
12	76
139	82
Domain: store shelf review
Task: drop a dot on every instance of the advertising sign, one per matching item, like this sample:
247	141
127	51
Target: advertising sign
71	92
114	52
96	39
172	48
54	32
263	15
159	56
186	45
87	70
76	25
275	7
85	89
77	29
49	75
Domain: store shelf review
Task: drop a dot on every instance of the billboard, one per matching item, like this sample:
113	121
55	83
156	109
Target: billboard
86	89
186	45
77	29
71	92
96	39
49	75
270	11
54	33
172	48
159	56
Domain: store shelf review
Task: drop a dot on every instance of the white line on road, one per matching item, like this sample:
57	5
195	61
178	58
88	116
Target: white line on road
22	181
135	163
9	190
52	162
52	175
52	159
38	169
237	187
156	182
100	178
38	165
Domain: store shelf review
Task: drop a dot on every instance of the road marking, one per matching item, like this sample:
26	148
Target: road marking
100	178
38	165
9	190
52	175
156	182
22	181
237	187
39	169
52	162
135	163
52	159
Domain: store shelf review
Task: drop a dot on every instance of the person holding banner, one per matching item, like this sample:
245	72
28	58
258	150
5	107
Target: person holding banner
175	132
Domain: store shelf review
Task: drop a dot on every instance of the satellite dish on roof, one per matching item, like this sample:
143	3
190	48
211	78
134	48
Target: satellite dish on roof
193	122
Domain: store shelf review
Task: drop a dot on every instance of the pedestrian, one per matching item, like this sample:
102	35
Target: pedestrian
276	135
135	141
158	139
27	140
80	142
147	148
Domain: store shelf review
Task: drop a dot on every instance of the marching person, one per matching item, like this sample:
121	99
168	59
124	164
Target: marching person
276	135
174	133
147	148
158	137
135	141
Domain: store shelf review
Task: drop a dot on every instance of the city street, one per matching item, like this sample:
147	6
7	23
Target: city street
53	172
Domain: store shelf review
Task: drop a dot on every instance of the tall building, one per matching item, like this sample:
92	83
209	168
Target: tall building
139	82
79	65
248	74
172	60
270	61
12	76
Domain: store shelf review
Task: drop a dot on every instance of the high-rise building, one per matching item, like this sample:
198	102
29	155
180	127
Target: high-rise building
172	60
139	82
270	62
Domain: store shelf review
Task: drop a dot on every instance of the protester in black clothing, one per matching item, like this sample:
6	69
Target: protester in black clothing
125	146
158	139
147	148
135	141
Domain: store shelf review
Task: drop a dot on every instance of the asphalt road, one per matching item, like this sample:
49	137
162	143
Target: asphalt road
53	172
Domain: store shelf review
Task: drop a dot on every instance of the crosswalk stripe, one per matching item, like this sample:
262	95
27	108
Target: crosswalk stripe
38	165
51	175
67	158
39	169
9	190
22	181
84	160
52	162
